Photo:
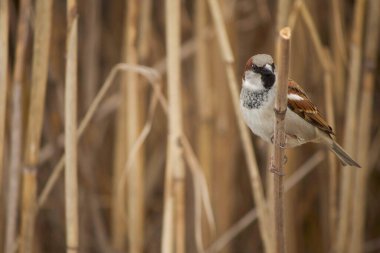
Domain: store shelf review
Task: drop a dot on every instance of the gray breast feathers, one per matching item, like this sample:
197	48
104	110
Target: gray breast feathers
253	99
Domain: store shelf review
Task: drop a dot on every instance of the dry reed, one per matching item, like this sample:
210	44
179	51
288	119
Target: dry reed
325	60
204	104
364	132
135	178
4	31
339	52
16	128
277	166
203	90
345	204
71	142
282	20
34	128
175	171
91	51
119	198
209	82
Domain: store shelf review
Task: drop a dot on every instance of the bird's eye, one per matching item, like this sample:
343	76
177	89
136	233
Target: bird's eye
255	68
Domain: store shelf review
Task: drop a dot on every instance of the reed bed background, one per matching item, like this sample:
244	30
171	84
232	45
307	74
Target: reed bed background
120	128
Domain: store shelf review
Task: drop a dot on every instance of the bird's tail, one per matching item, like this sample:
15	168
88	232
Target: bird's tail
340	153
343	156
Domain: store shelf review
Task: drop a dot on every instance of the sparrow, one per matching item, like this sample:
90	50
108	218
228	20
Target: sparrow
303	122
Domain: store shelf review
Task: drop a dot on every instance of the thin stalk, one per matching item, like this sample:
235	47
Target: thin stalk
204	103
332	170
282	20
118	228
145	23
338	30
136	175
326	63
203	89
279	136
282	14
34	129
118	210
91	51
345	205
16	128
364	132
176	170
256	183
4	34
71	142
339	52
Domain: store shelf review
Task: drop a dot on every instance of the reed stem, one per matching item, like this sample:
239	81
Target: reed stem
4	34
71	141
279	136
364	132
349	142
175	174
35	117
16	128
136	175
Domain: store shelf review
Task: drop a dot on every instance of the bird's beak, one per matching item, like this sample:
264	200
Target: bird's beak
268	67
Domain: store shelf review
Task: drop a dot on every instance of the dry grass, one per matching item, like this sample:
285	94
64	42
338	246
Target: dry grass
16	126
4	45
277	166
175	106
71	140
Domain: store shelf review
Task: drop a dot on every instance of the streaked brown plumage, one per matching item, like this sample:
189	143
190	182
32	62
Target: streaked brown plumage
306	109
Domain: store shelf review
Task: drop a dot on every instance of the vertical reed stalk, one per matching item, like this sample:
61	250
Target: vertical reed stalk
282	14
91	51
71	142
135	178
282	20
256	183
326	63
364	132
176	170
16	128
349	144
145	22
277	166
332	205
203	90
339	52
34	129
118	224
203	95
4	33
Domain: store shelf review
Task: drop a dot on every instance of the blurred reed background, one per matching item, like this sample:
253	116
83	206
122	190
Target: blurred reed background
157	158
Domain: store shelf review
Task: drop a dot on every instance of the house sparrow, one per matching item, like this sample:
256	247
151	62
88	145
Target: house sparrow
303	122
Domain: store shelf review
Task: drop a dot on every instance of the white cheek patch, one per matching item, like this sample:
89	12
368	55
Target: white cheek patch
292	96
253	81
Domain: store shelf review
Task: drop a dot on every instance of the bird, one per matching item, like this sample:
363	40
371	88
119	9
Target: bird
303	121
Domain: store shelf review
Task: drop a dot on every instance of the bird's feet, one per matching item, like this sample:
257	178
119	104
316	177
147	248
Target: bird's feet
274	169
282	145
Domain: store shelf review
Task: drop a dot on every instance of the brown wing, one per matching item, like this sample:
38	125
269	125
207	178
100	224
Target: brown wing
301	104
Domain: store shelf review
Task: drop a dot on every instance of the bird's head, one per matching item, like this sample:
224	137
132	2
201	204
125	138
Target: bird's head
259	72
